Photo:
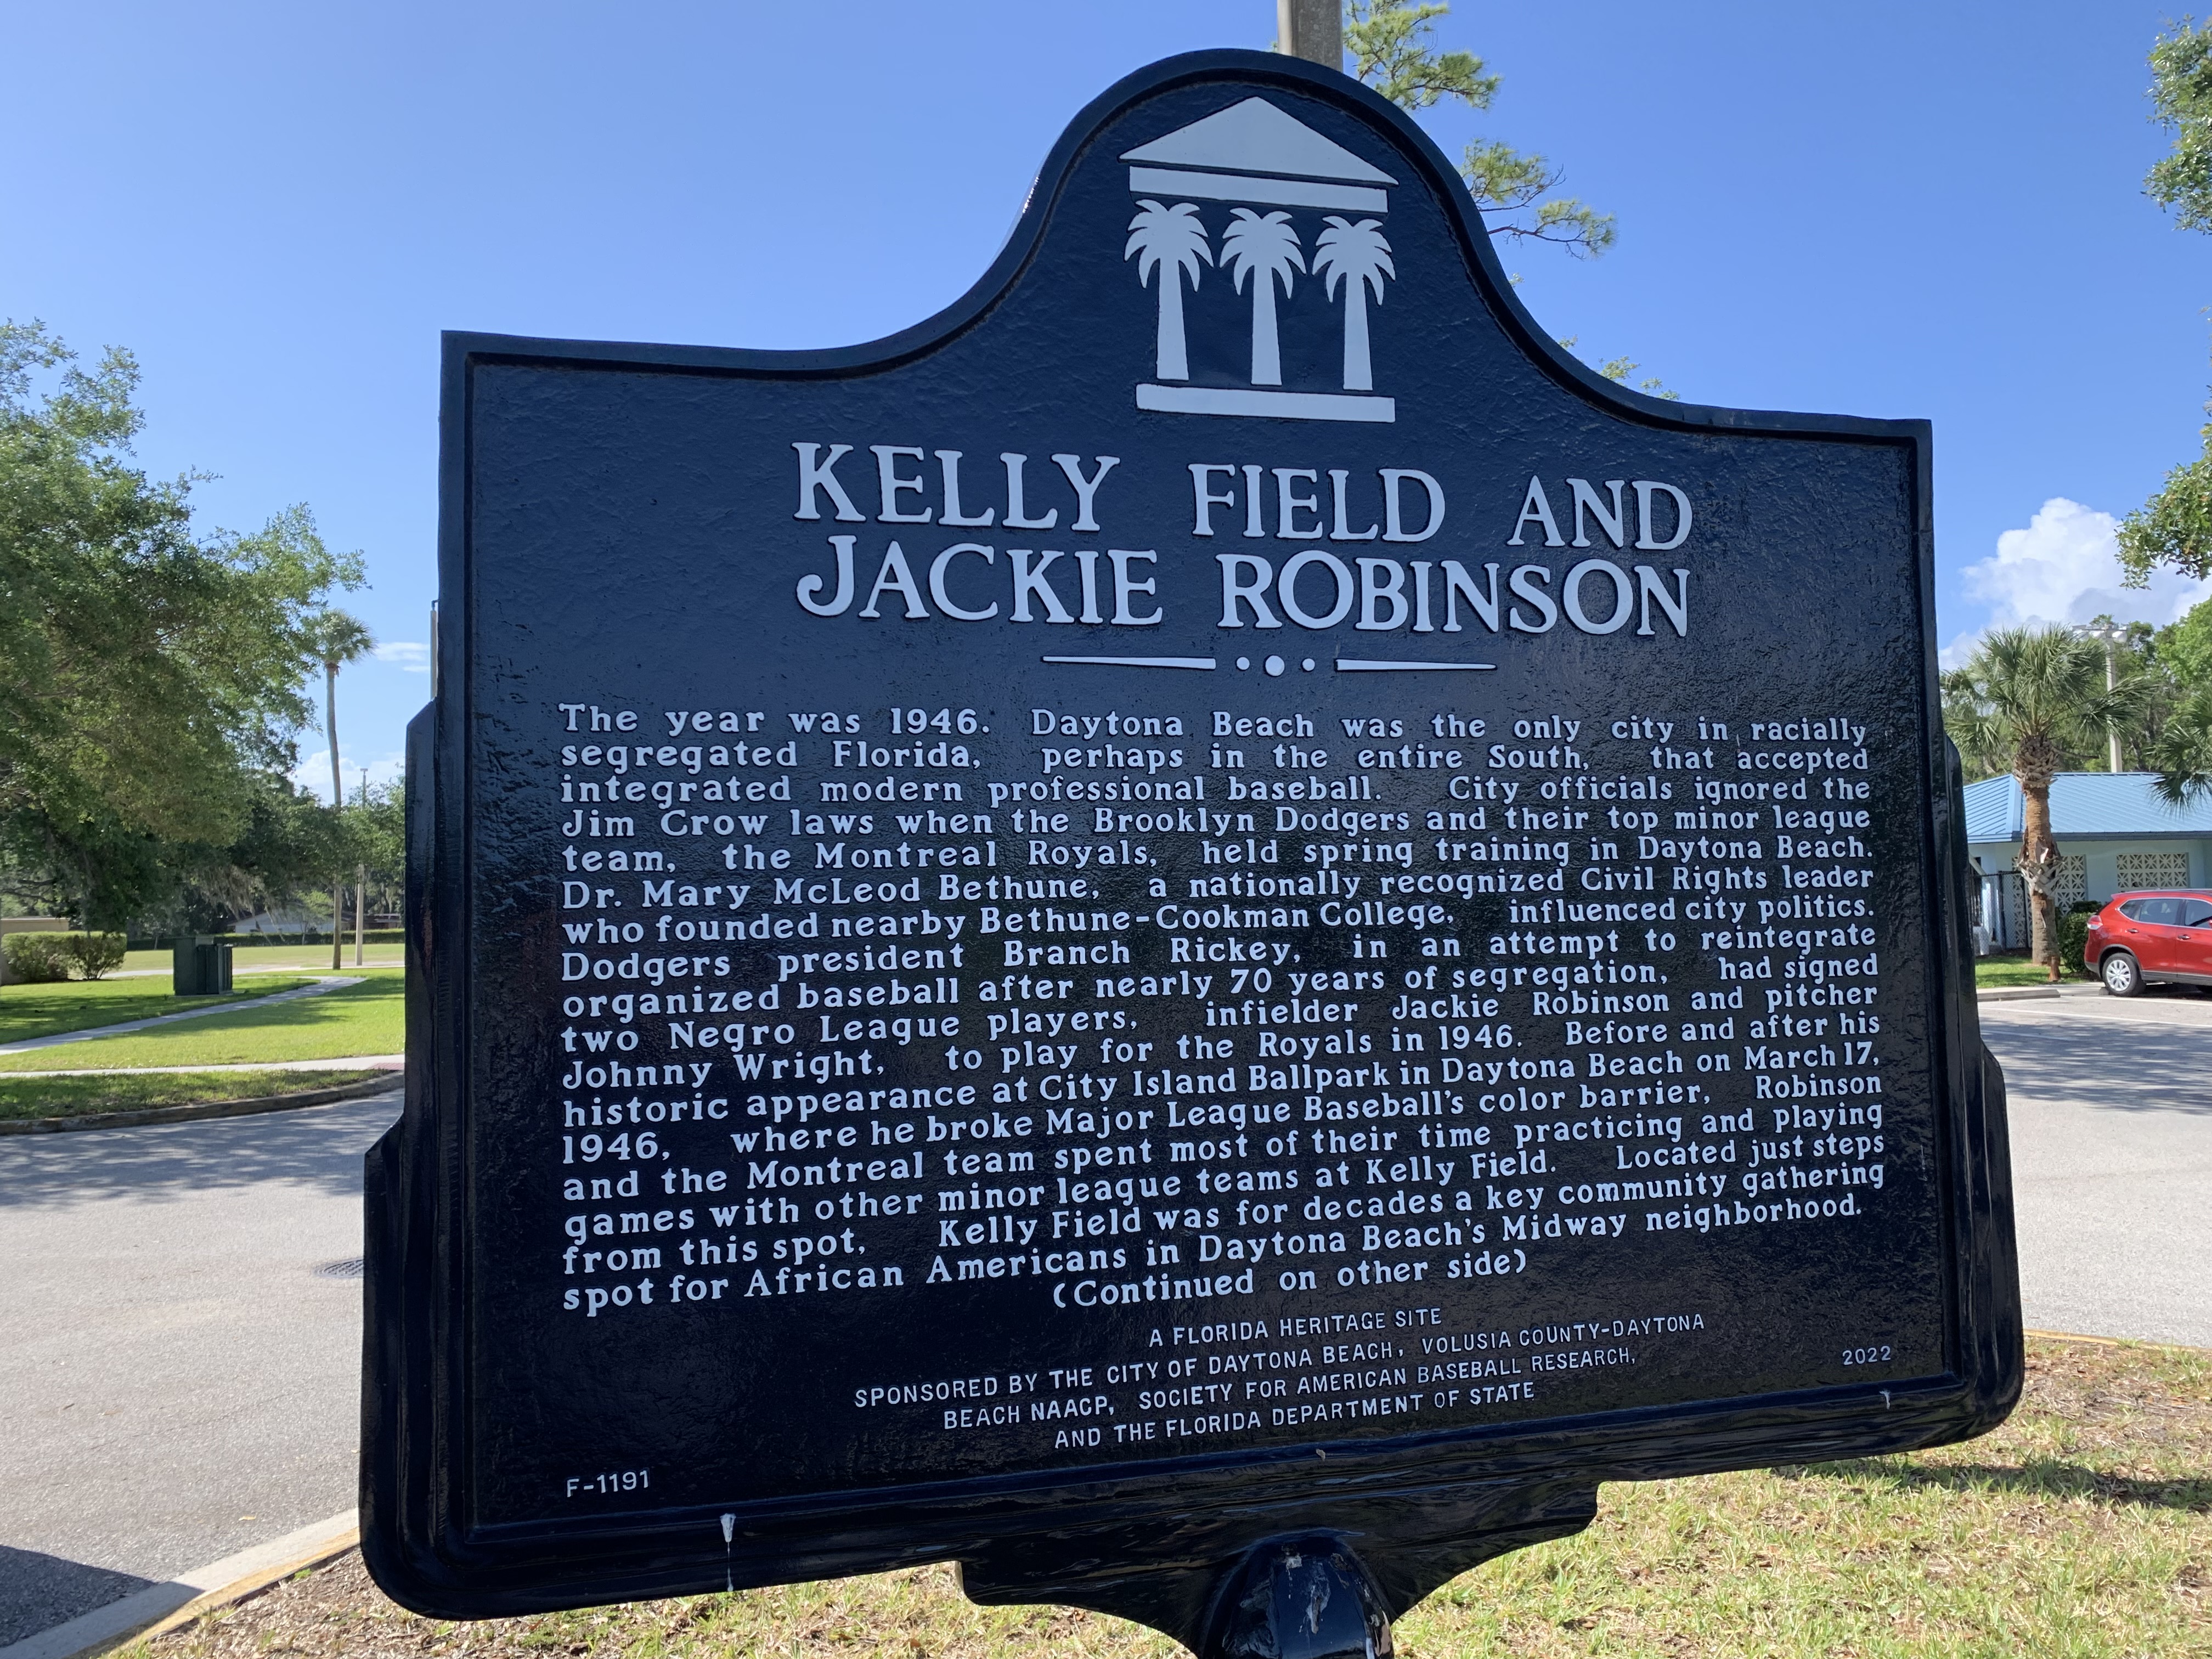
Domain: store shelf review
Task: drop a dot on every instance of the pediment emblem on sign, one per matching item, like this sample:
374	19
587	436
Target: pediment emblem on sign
1298	206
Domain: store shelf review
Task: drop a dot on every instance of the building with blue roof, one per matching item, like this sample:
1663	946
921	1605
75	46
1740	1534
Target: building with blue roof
2114	835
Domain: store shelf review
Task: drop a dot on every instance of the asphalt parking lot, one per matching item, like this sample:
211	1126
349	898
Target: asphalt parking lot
183	1383
2110	1106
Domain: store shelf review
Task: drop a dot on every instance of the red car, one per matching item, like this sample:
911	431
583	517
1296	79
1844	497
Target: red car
2141	939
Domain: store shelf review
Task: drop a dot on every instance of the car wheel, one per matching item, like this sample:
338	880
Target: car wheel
2121	977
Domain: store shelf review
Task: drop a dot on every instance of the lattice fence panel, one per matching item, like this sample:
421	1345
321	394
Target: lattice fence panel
2152	870
2072	879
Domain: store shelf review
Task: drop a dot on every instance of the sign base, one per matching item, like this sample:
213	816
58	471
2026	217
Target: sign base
1189	1575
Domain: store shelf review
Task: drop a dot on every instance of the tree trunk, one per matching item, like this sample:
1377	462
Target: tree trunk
331	723
2038	860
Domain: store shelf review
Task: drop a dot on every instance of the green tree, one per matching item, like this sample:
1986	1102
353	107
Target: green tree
2174	527
2180	749
2181	101
150	675
2161	686
376	823
1390	44
2185	648
1620	369
2029	700
2181	754
289	843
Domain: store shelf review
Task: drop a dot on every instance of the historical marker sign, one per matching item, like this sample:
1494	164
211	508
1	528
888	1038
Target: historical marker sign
1214	896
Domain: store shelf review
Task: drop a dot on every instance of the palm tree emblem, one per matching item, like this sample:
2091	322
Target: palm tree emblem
1265	247
1356	256
1171	242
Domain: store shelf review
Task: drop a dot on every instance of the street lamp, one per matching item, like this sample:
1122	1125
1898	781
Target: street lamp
2110	633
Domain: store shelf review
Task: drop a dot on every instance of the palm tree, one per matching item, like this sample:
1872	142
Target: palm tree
1265	247
1173	242
334	638
1357	257
2181	753
2029	700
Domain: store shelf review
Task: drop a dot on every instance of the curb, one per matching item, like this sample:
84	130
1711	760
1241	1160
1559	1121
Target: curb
2054	1336
160	1608
2017	993
196	1111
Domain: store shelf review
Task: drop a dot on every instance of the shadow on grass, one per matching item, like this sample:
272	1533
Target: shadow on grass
2045	1476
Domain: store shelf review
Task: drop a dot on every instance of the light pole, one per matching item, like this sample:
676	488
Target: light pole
1311	29
361	890
2111	634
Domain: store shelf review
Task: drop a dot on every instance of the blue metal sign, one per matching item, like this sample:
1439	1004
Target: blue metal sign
1215	896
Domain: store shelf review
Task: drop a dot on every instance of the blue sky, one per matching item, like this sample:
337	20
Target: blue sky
1885	209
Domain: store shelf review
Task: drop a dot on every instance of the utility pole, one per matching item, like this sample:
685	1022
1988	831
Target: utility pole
1311	29
2110	633
360	911
338	805
361	888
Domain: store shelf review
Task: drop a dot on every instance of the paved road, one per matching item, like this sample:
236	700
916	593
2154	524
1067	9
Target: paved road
2112	1147
180	1383
183	1384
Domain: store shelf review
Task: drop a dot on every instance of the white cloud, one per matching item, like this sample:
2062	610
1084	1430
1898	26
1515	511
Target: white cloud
2065	568
411	655
312	774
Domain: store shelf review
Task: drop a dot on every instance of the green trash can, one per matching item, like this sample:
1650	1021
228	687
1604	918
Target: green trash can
201	966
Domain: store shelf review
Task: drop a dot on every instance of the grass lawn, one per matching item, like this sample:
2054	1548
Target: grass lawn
2081	1528
267	958
85	1097
78	1004
359	1020
1994	973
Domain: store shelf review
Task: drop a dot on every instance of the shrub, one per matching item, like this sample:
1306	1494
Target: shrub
2073	941
45	958
35	959
94	955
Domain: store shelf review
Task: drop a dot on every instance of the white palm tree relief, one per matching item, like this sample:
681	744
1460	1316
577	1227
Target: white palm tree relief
1356	256
1265	247
1171	242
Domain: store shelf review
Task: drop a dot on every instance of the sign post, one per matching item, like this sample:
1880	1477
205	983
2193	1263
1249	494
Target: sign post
1212	930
